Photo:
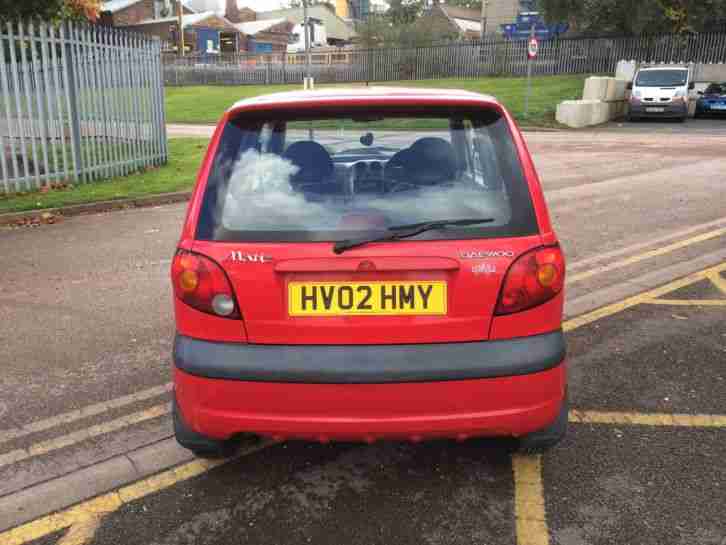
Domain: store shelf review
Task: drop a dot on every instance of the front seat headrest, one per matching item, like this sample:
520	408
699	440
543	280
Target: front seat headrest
312	159
430	161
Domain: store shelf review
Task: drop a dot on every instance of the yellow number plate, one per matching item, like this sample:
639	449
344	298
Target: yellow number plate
368	298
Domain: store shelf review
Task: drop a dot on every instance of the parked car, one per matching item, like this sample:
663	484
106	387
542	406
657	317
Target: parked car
366	265
712	101
660	93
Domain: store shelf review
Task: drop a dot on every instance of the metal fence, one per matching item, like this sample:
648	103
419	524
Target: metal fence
77	103
493	56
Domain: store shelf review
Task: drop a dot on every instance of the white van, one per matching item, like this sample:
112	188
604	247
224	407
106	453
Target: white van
660	92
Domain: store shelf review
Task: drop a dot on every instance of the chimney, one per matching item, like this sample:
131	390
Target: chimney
231	11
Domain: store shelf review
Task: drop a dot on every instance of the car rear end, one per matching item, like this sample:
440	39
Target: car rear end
295	321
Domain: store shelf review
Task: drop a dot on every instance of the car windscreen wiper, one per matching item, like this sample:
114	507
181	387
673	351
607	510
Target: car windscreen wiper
398	232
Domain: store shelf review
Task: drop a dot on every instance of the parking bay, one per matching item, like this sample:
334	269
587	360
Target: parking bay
644	461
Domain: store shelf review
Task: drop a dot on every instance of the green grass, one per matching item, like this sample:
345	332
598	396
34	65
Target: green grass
205	104
179	174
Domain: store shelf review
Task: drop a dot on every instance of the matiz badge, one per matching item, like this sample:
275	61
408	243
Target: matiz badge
242	257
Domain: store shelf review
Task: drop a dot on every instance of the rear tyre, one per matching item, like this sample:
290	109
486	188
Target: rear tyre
201	446
545	439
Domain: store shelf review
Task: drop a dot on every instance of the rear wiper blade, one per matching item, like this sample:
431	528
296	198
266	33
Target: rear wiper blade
398	232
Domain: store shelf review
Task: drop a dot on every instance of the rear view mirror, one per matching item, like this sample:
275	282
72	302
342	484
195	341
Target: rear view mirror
630	86
700	93
691	86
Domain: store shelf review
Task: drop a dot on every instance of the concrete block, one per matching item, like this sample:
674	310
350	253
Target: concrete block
620	89
595	88
708	73
626	70
599	113
575	113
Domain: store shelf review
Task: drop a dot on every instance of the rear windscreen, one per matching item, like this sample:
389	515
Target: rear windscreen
329	176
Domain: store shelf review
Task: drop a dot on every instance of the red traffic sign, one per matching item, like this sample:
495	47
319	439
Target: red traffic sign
532	48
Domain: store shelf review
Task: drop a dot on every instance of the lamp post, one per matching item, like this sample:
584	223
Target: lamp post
306	30
180	24
484	6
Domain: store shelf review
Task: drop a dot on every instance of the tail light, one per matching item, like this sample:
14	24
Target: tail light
201	283
533	279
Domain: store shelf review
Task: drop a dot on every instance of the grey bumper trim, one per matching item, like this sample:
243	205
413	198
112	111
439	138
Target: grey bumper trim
369	364
669	109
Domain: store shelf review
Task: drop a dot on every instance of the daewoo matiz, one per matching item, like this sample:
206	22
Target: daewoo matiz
364	265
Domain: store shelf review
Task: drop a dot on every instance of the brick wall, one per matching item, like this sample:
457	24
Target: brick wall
246	15
135	13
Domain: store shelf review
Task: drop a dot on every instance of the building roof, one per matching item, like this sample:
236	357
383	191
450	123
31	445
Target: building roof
467	25
117	5
379	95
251	28
190	19
335	27
461	13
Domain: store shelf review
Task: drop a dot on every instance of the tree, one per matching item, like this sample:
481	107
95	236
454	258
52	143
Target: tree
405	12
53	10
633	16
470	4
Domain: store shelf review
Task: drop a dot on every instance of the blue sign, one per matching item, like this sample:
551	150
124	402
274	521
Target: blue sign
521	29
257	47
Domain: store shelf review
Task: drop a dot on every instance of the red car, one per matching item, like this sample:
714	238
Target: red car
364	265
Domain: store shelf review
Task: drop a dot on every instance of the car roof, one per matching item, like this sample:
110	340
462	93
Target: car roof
356	94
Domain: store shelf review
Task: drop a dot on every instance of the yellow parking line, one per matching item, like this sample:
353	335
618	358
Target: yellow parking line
531	524
110	502
529	507
688	302
648	419
81	533
86	412
69	439
646	296
647	255
718	281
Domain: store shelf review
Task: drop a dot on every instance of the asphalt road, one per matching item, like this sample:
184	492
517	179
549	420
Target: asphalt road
607	483
86	311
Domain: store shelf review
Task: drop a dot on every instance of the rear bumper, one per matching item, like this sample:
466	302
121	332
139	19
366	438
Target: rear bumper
669	110
508	406
369	364
707	109
512	406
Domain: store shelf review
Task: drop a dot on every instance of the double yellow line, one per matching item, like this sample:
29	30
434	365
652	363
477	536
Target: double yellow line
530	513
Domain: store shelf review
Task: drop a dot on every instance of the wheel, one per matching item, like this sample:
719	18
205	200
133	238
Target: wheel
545	439
631	119
682	119
201	446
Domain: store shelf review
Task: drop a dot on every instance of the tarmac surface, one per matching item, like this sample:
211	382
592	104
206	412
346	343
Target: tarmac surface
86	340
615	483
